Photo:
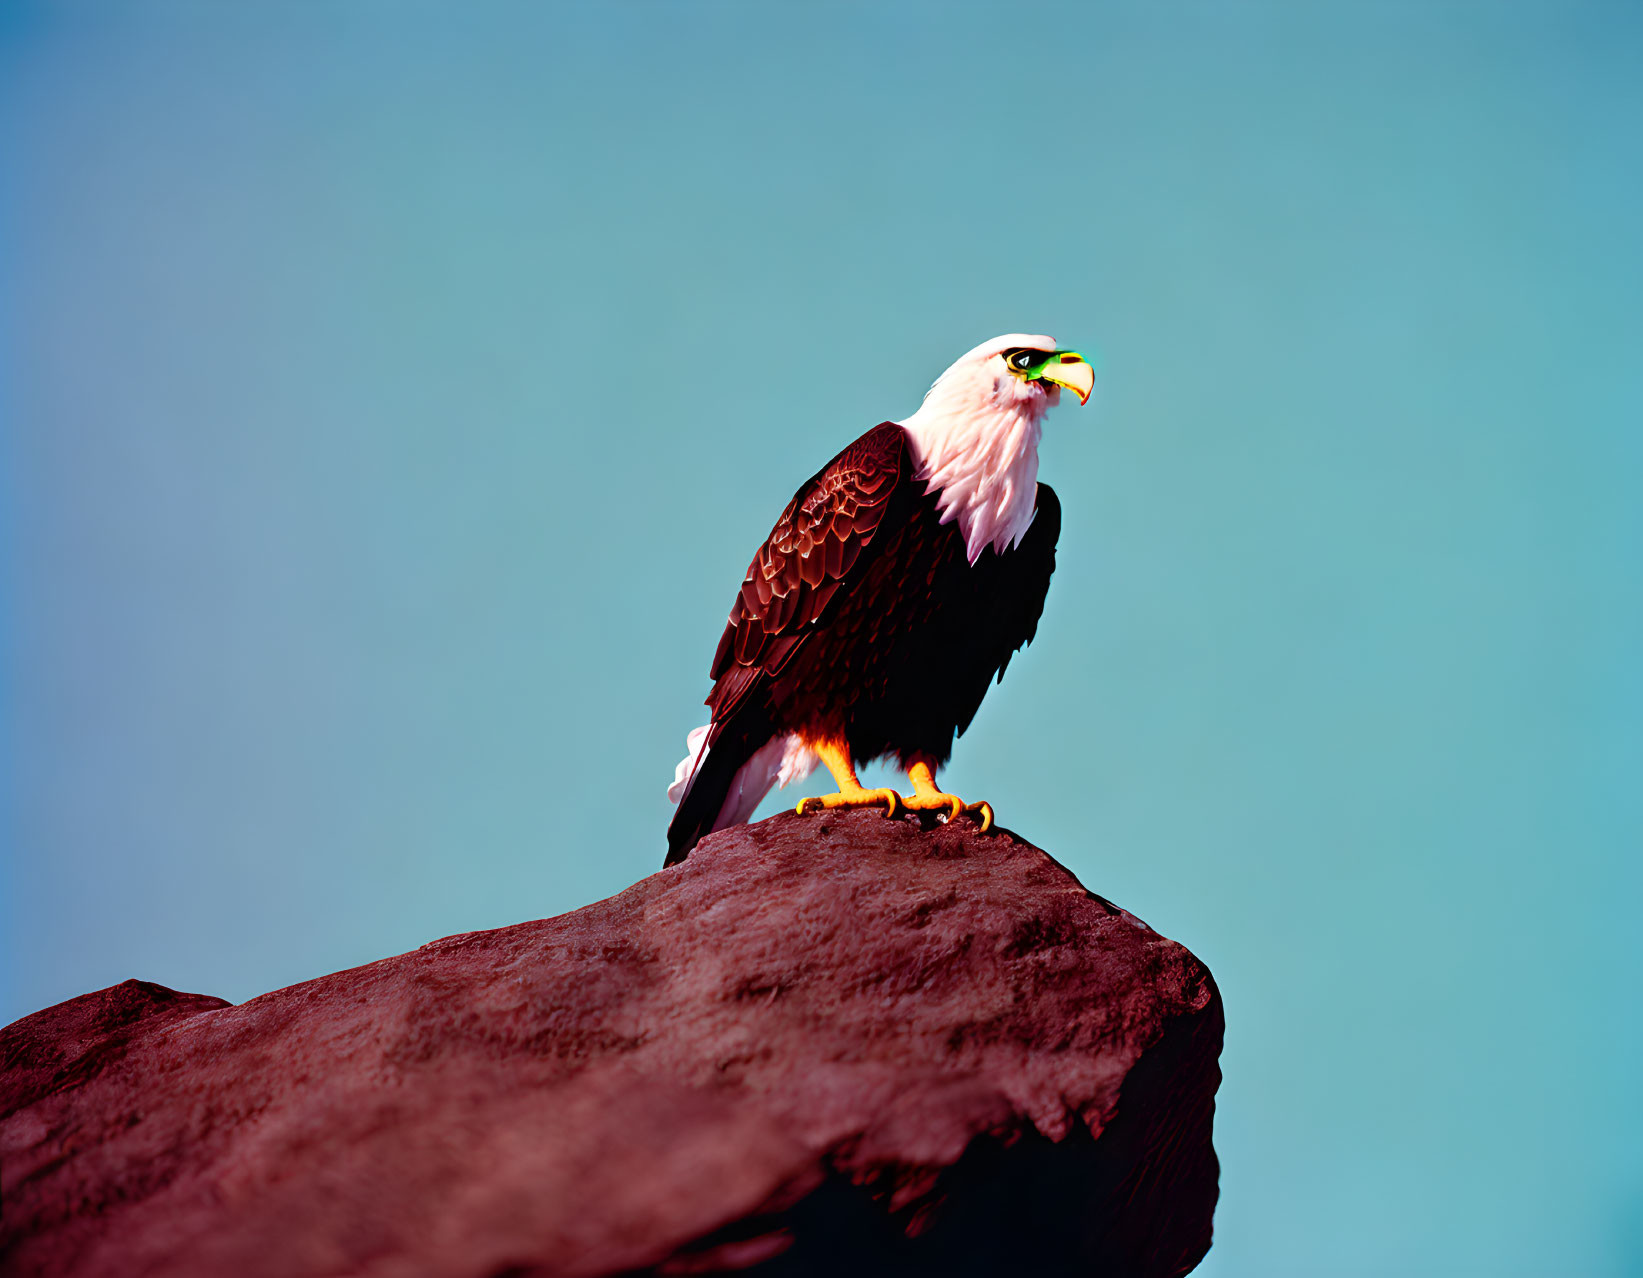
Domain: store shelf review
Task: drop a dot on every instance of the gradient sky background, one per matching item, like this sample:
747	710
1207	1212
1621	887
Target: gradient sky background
394	393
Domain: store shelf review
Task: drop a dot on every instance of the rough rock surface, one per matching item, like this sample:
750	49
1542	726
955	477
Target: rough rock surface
835	1044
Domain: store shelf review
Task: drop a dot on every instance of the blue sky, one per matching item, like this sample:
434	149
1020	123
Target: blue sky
391	397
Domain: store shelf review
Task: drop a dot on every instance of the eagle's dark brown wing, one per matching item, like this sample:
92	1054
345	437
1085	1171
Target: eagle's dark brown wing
1014	585
822	535
835	524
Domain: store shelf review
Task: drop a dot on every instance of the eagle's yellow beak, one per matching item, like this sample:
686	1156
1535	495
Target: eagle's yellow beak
1072	370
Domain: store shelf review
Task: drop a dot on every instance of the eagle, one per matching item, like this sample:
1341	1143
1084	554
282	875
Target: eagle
893	590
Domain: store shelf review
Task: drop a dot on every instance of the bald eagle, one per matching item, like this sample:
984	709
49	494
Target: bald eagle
892	591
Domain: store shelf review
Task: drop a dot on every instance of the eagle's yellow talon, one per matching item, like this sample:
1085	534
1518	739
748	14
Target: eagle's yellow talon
851	798
927	796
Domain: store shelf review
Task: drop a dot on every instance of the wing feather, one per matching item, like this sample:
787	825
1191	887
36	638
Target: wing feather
815	548
1017	583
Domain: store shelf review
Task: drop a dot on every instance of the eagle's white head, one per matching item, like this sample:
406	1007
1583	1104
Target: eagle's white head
975	437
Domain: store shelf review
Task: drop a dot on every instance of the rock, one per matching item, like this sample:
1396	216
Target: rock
832	1044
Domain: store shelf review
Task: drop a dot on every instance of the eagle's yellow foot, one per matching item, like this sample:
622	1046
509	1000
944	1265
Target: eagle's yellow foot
835	753
927	796
852	798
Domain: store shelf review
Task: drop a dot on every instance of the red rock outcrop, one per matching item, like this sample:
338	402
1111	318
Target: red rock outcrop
836	1044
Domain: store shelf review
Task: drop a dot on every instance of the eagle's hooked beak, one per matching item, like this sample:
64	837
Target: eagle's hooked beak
1072	370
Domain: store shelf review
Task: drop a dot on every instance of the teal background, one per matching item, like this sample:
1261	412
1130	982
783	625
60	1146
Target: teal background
393	394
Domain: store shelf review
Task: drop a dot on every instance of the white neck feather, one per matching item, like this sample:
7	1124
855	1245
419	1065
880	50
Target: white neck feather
975	442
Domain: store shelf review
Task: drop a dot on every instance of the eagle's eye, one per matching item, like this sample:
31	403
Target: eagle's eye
1023	360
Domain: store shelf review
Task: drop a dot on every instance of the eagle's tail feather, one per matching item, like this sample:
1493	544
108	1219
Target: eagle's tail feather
730	768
